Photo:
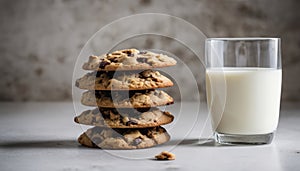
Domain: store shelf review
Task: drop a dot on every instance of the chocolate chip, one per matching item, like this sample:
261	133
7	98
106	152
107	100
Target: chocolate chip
128	52
150	135
143	75
115	59
155	79
131	122
103	64
137	141
130	55
142	52
170	103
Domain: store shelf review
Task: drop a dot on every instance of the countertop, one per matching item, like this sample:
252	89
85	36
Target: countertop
42	136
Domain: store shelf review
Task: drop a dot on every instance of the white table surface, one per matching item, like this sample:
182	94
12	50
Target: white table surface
42	136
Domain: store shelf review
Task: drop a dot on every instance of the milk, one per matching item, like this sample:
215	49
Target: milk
250	98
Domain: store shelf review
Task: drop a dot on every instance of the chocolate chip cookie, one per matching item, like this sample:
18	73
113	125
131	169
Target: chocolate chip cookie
130	80
126	99
122	86
124	118
128	59
108	138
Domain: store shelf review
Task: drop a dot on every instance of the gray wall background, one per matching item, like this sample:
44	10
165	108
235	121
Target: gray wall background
41	39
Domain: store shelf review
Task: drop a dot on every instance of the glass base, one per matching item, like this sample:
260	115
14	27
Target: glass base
232	139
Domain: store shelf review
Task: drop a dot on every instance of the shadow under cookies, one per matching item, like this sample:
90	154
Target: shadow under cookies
39	144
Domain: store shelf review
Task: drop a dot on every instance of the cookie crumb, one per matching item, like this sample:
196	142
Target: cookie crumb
165	155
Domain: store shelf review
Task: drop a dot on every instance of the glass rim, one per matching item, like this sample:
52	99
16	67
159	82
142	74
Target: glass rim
243	38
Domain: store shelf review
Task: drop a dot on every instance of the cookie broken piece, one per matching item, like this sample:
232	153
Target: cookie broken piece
165	155
124	118
108	138
130	80
126	99
128	59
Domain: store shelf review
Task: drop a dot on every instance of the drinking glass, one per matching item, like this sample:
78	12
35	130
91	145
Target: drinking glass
243	86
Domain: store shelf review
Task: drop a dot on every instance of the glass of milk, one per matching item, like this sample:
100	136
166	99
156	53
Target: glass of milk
243	85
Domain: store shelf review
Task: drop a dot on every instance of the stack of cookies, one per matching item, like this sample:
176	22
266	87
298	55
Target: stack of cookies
123	89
